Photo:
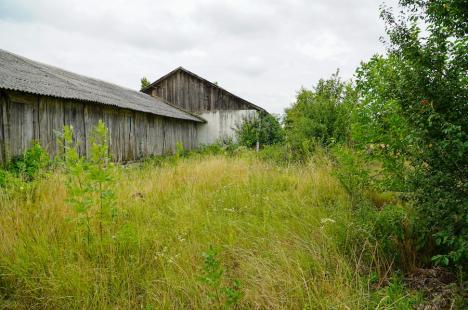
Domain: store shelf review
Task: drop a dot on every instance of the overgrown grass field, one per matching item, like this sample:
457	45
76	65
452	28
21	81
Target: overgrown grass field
198	232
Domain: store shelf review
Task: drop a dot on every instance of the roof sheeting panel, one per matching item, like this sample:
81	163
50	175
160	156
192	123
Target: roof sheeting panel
22	74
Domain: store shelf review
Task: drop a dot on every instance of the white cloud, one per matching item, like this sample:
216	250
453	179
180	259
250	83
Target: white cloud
263	50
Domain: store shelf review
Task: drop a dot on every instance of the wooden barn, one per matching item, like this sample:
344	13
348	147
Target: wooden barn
221	109
36	100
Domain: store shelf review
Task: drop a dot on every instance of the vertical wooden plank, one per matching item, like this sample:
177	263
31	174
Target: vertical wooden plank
57	121
167	145
74	116
132	136
112	120
54	121
106	115
150	135
28	125
2	136
141	124
157	135
16	128
44	139
123	135
36	125
92	114
6	128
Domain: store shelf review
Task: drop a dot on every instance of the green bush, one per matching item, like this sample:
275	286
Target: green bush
353	171
30	163
320	116
264	129
414	112
279	154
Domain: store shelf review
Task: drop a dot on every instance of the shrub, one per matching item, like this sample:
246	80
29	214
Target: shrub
264	129
320	116
353	171
279	154
30	163
414	108
213	278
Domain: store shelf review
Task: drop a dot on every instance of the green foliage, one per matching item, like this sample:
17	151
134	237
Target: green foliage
180	151
89	182
264	129
379	126
320	116
280	154
144	83
31	163
395	296
353	171
212	278
414	113
386	221
10	180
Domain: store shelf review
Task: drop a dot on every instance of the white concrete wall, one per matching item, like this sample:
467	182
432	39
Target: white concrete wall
221	124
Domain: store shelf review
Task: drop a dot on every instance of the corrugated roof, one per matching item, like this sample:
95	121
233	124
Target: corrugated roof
22	74
182	69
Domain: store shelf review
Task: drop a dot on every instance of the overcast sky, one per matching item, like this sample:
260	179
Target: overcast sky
261	50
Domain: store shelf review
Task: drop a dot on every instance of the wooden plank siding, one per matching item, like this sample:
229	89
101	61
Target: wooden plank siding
2	135
25	118
198	96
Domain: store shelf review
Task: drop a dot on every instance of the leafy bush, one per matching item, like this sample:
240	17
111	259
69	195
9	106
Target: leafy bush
321	115
10	180
212	278
278	153
354	172
30	163
264	129
414	108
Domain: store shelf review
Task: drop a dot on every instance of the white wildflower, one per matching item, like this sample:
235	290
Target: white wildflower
327	220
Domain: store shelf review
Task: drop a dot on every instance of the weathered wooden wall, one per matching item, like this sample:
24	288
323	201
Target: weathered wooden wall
195	95
133	135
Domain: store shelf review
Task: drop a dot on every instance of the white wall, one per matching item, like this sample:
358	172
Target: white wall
220	124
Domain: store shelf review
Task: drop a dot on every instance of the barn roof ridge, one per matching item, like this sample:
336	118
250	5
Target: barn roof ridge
182	69
23	74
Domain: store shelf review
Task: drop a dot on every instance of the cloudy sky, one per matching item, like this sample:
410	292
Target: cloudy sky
261	50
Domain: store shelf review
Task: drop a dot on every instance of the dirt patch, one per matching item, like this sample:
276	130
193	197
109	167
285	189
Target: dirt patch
440	289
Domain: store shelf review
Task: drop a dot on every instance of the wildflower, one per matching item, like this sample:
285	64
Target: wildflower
327	220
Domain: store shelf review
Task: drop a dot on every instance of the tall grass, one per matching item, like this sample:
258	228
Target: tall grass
286	236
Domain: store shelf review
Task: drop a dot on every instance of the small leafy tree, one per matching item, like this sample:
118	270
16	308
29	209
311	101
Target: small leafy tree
100	175
264	129
144	83
90	182
78	190
320	115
